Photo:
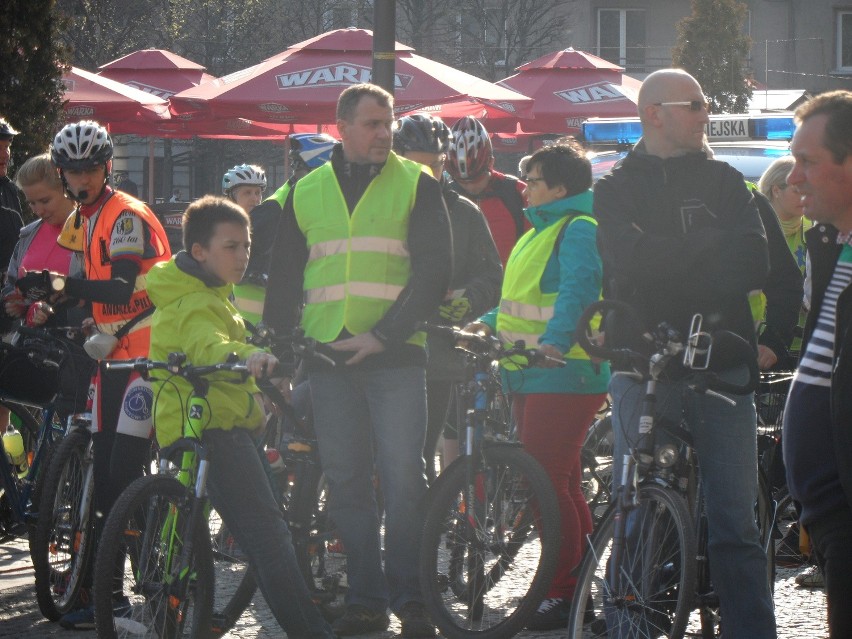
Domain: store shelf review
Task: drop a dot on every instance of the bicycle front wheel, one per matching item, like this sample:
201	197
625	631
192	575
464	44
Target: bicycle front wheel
652	590
141	564
490	547
61	548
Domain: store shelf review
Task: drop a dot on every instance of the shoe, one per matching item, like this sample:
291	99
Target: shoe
787	551
84	618
80	619
551	615
359	620
415	622
811	578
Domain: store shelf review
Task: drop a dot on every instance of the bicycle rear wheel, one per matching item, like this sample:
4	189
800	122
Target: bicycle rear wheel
490	549
654	590
139	564
61	548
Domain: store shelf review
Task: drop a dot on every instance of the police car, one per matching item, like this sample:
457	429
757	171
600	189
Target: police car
749	143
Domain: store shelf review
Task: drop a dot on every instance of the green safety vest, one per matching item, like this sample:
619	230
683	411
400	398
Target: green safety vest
524	308
280	194
249	300
357	264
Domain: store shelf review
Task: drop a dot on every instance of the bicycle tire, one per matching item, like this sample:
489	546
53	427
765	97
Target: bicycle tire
596	460
62	548
319	551
660	604
137	545
235	583
463	589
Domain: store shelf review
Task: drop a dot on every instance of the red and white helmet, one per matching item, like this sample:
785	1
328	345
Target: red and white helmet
470	149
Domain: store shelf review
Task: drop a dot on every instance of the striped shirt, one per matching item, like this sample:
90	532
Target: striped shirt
816	362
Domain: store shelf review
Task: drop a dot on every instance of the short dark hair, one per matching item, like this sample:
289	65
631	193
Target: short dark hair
564	163
202	216
837	105
351	96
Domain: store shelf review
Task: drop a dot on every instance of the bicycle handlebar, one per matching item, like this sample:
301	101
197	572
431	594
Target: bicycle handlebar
667	342
489	345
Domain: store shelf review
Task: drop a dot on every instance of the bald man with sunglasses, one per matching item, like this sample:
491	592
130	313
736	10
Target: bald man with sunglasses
680	234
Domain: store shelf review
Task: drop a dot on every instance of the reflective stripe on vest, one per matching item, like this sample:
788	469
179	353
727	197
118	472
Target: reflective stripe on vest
249	300
111	317
357	264
524	308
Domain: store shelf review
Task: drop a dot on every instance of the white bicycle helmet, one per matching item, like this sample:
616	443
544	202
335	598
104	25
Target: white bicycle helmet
243	174
81	145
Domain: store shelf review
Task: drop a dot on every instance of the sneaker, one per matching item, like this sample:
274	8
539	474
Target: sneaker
360	620
812	577
787	551
81	619
551	615
415	621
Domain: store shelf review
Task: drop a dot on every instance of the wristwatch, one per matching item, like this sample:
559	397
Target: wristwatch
57	283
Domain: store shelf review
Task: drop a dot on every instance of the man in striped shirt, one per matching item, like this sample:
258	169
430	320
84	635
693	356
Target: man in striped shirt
818	420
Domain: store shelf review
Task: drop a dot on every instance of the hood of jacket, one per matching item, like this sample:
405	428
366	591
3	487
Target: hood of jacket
168	281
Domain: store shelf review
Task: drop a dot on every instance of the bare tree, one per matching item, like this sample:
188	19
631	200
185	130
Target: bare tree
495	36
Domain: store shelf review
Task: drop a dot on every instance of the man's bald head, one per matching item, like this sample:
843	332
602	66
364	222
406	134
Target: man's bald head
673	114
665	85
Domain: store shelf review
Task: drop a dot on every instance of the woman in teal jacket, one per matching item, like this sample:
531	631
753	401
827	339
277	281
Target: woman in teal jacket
553	273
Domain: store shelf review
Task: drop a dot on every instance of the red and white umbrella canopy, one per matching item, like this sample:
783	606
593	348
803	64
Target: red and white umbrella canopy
301	84
156	71
91	97
570	86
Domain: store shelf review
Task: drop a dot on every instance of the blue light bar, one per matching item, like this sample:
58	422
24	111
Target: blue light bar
627	131
773	128
613	131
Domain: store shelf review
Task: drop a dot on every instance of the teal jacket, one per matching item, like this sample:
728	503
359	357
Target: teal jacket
575	271
194	316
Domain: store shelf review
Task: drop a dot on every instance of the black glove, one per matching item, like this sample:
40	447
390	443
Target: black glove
35	285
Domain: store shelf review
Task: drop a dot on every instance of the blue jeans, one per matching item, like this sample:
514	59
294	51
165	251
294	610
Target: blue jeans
355	411
239	489
725	439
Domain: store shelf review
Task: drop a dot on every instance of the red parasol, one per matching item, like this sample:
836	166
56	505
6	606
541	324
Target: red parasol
302	84
91	97
570	86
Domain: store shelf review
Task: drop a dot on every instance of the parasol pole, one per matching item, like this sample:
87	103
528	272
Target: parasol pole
384	39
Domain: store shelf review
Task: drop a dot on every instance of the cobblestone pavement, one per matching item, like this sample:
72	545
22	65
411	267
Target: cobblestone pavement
800	612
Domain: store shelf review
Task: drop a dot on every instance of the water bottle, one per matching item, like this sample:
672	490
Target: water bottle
13	442
276	463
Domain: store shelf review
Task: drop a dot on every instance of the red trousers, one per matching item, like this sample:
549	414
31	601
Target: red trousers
552	427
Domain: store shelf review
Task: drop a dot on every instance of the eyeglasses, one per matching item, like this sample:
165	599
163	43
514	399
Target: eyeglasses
532	180
692	105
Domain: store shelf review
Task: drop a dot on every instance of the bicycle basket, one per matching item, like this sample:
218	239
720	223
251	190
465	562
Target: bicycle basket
25	376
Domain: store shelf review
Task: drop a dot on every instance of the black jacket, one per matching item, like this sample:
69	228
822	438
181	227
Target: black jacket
823	251
680	236
783	288
429	247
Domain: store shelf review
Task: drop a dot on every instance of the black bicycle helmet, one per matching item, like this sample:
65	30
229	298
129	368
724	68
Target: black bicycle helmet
422	133
6	130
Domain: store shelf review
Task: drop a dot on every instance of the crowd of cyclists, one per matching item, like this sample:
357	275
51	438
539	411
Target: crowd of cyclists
399	222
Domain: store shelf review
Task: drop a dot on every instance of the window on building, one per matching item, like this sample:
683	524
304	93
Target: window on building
621	37
844	41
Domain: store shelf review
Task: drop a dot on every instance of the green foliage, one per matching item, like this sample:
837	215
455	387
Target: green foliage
30	85
712	47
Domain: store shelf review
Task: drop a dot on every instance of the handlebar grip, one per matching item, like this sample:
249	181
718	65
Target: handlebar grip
139	364
622	357
733	345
